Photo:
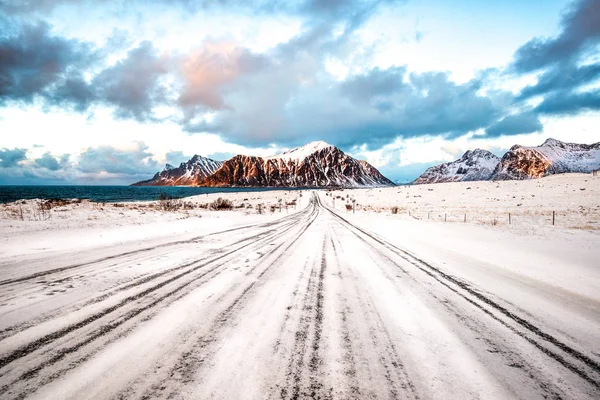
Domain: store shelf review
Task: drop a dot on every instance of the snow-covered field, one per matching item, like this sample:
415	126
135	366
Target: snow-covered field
312	301
572	197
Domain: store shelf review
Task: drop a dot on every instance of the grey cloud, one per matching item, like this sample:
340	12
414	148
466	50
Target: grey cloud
561	103
567	77
27	6
515	124
11	157
207	72
580	30
48	161
352	12
73	92
565	60
375	108
104	164
133	84
108	159
364	88
32	60
285	96
323	10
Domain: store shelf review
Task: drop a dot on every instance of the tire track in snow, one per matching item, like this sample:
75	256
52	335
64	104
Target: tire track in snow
139	251
202	348
316	388
111	325
304	374
9	331
562	353
399	385
348	353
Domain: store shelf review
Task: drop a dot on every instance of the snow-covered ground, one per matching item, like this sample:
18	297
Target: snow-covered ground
309	302
572	197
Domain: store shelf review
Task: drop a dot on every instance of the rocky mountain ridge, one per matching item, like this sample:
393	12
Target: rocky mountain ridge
474	165
551	157
188	173
317	164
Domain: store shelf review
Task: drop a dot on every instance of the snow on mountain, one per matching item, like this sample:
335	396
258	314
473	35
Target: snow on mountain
316	164
552	157
188	173
475	165
302	152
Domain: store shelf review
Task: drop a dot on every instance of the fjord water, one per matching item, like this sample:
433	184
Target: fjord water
9	193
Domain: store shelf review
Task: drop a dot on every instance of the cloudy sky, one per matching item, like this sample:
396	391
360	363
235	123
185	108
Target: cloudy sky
107	92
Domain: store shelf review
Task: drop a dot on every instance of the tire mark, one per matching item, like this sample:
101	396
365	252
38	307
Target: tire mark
516	360
193	359
316	387
296	363
446	279
30	347
15	329
379	335
138	251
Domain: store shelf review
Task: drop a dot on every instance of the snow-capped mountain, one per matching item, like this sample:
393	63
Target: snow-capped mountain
475	165
187	174
316	164
552	157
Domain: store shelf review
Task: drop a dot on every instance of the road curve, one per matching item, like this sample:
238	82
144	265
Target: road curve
308	306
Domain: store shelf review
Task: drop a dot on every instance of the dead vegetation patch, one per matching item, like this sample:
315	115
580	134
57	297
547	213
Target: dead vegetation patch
221	204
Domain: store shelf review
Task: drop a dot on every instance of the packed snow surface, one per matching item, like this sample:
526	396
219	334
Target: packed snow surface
305	299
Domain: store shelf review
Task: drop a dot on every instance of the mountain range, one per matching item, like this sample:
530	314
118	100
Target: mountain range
317	164
187	174
552	157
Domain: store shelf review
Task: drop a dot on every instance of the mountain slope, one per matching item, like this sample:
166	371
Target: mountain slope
476	165
316	164
552	157
188	173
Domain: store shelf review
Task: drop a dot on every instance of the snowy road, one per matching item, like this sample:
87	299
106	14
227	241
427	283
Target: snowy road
307	306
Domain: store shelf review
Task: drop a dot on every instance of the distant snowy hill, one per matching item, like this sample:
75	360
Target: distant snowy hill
187	174
552	157
475	165
317	164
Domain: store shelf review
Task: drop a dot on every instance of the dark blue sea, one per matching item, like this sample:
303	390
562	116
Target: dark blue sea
110	194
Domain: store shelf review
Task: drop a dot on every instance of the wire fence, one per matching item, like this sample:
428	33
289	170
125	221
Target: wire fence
582	219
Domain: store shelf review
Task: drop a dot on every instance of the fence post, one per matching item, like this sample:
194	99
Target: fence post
428	212
552	217
509	218
465	217
444	217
